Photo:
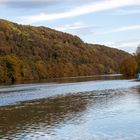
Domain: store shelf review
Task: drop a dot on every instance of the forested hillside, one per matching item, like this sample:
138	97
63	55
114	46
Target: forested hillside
28	52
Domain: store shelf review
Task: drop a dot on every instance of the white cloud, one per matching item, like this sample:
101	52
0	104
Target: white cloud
77	28
126	45
74	26
81	10
120	29
127	12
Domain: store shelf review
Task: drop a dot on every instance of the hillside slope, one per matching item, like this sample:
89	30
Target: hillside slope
28	52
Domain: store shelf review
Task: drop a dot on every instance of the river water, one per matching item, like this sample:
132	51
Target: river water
90	109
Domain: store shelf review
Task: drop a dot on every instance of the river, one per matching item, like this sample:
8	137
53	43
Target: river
105	108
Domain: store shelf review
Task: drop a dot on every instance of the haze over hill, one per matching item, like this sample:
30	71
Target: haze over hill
28	52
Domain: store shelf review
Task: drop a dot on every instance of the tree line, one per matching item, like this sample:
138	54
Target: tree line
130	65
29	53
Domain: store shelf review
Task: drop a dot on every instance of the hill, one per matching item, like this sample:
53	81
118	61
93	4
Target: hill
28	52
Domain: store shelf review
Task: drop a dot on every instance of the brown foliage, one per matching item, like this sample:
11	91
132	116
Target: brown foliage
129	66
28	52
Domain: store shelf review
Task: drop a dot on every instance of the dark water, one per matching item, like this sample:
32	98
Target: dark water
90	110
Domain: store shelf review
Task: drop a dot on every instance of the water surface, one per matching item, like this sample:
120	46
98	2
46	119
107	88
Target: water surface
90	110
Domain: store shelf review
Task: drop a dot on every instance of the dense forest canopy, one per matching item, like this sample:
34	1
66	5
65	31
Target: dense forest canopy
129	66
28	52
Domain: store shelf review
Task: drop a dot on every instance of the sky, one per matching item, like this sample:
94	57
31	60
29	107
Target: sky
115	23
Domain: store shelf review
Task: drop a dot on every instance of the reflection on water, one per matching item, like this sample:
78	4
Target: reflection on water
44	113
73	79
75	116
107	114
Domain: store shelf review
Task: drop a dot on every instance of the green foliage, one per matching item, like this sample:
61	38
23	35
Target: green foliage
28	52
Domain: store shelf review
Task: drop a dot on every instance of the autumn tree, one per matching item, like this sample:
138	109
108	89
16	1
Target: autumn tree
32	53
129	66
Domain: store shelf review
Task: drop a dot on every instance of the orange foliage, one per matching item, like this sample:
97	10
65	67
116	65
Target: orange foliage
28	52
129	66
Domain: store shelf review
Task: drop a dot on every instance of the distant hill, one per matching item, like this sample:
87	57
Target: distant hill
28	52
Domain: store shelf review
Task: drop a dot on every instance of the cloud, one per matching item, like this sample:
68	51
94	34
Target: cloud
79	28
126	45
119	29
74	26
127	12
29	3
78	11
